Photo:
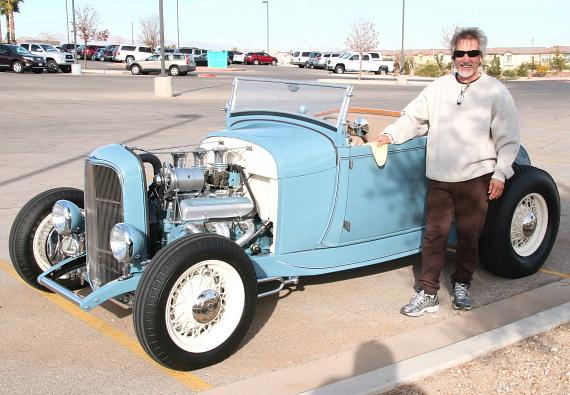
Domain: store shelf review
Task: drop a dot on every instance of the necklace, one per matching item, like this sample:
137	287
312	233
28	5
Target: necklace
461	96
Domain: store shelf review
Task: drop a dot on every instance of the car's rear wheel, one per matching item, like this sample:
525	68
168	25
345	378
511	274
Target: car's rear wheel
255	62
52	66
135	69
17	67
522	225
34	244
195	301
174	71
274	63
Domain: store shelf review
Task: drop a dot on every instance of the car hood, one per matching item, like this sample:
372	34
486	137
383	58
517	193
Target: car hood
297	150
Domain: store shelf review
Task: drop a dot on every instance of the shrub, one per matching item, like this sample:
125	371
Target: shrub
541	70
428	70
494	68
512	74
523	69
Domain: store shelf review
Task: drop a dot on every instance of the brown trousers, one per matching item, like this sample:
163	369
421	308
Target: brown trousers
467	202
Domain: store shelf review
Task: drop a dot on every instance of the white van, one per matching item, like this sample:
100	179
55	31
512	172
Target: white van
300	58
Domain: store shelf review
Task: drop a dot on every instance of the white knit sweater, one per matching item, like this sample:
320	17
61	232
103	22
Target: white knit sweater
465	141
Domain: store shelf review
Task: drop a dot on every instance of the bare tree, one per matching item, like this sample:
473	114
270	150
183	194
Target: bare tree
362	38
447	34
150	34
86	24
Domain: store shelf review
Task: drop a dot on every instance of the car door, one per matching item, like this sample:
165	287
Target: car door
152	63
389	200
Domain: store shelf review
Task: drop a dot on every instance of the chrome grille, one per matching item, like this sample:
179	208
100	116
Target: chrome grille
103	209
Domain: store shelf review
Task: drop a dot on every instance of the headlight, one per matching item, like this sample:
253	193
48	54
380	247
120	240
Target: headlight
66	217
126	242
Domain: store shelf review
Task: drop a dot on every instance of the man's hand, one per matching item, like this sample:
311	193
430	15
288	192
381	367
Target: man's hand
496	188
382	139
356	141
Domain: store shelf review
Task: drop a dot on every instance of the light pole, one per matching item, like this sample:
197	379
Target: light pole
177	27
161	16
403	9
267	9
67	21
74	31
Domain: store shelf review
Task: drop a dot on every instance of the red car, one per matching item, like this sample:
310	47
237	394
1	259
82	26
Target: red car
260	58
90	50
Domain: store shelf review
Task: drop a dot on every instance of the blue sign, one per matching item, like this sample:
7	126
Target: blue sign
218	59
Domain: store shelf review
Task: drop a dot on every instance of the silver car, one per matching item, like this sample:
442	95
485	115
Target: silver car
175	63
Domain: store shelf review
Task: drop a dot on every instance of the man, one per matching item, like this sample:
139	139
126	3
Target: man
473	139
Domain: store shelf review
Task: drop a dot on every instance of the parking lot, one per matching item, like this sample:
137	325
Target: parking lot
51	121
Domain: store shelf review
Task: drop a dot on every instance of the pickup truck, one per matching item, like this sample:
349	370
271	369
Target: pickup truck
55	60
371	61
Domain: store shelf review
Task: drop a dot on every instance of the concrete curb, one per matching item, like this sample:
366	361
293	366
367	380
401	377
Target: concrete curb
416	368
381	364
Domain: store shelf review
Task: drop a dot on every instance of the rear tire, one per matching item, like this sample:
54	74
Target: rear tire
31	236
195	301
256	62
521	227
174	71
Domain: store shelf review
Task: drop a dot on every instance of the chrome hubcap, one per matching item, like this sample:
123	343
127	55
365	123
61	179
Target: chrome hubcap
529	224
207	306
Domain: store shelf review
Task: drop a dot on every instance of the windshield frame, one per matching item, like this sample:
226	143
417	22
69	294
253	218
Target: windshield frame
342	111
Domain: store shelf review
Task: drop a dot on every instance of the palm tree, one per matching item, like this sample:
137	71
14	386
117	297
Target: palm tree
9	7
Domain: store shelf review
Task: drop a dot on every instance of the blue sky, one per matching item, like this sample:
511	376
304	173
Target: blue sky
312	24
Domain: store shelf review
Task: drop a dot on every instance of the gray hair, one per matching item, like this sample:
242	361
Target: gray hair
467	33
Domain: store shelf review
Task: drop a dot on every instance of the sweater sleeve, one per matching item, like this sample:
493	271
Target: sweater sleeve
505	134
413	122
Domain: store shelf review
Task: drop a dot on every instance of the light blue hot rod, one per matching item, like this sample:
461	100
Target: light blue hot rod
280	193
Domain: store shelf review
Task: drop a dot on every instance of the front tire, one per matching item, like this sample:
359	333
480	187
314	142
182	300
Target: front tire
135	69
256	62
52	66
339	69
34	243
17	67
522	225
195	301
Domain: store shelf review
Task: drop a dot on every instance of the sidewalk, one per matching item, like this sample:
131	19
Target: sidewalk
379	366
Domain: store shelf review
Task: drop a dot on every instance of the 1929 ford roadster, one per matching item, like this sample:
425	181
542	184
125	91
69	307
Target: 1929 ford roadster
279	194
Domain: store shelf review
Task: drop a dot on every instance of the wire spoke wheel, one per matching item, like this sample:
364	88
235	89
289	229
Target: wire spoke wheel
529	224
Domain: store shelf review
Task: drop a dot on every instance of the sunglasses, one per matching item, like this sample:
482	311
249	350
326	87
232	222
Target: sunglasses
473	53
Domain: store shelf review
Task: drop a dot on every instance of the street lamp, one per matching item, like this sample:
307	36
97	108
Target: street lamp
403	8
267	4
177	27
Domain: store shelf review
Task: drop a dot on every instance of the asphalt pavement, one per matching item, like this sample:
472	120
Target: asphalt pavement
330	333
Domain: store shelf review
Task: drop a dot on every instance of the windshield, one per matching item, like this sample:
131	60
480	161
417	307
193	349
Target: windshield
49	48
23	51
327	103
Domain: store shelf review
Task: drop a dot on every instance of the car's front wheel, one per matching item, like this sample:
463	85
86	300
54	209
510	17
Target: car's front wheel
17	67
174	71
522	225
52	66
135	69
339	69
195	301
256	62
35	246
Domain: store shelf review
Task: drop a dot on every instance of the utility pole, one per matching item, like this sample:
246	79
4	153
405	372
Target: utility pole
132	33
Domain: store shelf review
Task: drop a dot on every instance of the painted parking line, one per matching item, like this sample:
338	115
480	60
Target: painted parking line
188	379
563	275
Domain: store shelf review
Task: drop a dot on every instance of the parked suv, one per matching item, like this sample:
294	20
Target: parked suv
18	59
130	53
313	59
192	51
55	60
175	63
260	58
67	47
